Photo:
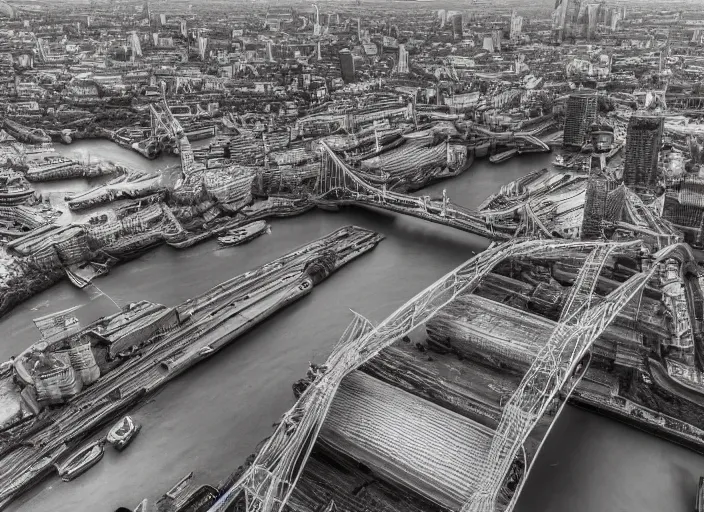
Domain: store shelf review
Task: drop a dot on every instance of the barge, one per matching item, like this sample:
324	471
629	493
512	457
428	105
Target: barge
81	461
244	234
125	357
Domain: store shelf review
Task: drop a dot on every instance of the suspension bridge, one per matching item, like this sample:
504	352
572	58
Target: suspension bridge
339	184
269	482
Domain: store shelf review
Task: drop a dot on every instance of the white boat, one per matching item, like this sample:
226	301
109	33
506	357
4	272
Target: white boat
245	233
560	162
123	432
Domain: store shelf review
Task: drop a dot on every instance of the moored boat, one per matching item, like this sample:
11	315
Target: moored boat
561	162
123	433
81	461
245	233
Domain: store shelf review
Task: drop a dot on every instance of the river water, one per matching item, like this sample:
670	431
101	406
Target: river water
212	417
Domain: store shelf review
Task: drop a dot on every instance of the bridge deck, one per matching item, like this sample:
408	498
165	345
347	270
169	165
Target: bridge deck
407	440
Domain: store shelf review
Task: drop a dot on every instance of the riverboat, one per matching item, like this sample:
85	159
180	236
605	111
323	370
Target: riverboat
123	433
133	245
561	162
55	168
81	461
14	189
189	239
81	274
503	156
245	233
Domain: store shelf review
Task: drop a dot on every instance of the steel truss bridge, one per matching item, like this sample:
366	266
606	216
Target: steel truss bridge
526	142
338	184
164	124
268	483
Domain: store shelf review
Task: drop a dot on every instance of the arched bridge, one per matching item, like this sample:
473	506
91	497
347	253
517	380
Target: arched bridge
338	184
269	482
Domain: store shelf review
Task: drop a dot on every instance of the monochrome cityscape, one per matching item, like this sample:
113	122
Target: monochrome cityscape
351	256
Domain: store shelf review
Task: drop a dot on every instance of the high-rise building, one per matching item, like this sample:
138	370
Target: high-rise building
579	117
594	207
202	45
488	44
643	142
496	36
516	26
559	19
457	32
442	16
135	45
402	59
592	19
347	65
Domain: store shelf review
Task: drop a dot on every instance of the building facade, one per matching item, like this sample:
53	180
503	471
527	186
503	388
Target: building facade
580	114
347	66
643	142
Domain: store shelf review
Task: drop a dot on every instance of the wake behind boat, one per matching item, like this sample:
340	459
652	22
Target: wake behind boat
245	233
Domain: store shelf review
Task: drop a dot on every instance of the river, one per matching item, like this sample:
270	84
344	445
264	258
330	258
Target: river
212	417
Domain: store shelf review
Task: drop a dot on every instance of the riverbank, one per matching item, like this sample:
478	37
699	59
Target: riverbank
205	325
211	418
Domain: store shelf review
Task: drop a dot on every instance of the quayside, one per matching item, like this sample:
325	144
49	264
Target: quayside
118	360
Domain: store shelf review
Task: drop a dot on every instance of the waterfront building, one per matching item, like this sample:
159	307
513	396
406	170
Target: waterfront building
643	142
347	65
579	117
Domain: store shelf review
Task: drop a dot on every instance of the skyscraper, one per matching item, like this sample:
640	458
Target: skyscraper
347	66
516	26
496	36
643	142
594	206
592	19
442	16
457	32
402	59
579	116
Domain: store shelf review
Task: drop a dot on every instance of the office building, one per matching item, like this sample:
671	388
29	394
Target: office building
594	207
643	142
402	59
579	117
347	66
457	32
